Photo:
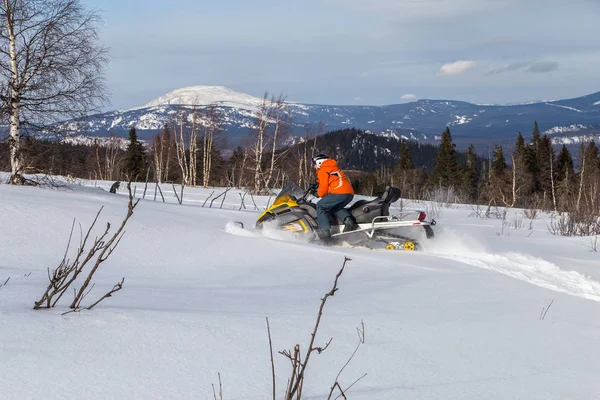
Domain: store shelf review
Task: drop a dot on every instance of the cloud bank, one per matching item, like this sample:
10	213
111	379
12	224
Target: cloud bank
455	68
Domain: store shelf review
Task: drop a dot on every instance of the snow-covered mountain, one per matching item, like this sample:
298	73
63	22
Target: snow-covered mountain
419	120
204	96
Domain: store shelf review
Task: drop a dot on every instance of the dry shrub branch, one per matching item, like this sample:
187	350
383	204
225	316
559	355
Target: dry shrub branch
299	363
95	254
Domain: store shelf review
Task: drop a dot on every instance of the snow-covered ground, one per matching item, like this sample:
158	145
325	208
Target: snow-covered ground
459	320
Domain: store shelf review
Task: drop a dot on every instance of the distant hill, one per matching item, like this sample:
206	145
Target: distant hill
566	121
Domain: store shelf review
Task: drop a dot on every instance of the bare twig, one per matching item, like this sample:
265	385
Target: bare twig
209	196
272	361
106	247
252	197
353	383
242	203
68	271
361	340
8	279
222	194
179	199
543	314
299	365
118	286
220	389
160	191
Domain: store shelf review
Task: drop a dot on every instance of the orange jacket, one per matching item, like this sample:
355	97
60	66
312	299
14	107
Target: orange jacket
332	180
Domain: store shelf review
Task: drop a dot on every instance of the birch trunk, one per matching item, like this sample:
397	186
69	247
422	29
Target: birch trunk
552	181
582	175
181	156
259	145
16	159
514	182
279	110
193	150
158	158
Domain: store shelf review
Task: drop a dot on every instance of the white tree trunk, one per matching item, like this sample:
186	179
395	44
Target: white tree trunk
193	150
582	175
514	182
552	180
181	156
16	157
259	144
158	157
280	108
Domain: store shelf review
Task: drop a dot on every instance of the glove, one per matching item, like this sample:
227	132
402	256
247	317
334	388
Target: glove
313	189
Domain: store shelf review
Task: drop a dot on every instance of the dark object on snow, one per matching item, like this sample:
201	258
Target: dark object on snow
115	187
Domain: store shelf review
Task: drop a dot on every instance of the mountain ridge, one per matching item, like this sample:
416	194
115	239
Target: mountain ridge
421	120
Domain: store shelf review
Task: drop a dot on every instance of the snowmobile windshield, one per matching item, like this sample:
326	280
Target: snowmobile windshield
289	191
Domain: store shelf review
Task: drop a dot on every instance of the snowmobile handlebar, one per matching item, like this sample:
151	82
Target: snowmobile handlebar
312	189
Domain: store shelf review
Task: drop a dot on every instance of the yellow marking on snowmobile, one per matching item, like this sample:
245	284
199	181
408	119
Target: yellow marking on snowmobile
304	226
390	247
292	227
284	200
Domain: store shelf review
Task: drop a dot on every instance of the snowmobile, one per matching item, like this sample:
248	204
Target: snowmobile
293	212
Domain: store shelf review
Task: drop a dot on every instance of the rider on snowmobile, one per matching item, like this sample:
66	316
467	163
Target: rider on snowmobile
336	192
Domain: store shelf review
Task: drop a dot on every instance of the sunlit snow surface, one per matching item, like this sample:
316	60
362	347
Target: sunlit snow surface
459	320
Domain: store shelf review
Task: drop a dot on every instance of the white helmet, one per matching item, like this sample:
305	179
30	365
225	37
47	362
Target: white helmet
318	160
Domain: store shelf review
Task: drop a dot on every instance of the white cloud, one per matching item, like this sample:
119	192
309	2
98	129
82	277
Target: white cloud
408	96
455	68
357	98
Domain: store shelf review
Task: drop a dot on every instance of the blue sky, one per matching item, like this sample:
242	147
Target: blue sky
353	51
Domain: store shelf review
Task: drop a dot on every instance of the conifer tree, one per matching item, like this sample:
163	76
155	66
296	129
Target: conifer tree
135	157
592	153
405	157
499	162
532	159
564	175
564	165
446	172
522	175
470	175
519	146
535	135
403	168
545	159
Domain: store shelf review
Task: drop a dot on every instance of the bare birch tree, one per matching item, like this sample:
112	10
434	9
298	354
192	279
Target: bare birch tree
51	66
212	126
260	143
193	149
186	157
310	143
158	156
161	152
582	155
281	120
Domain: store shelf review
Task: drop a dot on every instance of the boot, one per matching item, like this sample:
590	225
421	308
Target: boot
350	224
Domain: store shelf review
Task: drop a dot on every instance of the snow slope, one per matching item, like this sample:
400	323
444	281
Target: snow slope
460	320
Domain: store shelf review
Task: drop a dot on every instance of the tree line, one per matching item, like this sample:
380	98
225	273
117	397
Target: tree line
188	151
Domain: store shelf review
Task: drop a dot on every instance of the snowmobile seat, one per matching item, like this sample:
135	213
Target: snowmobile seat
364	211
390	195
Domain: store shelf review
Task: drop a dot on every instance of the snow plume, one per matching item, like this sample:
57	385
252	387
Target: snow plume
455	68
465	248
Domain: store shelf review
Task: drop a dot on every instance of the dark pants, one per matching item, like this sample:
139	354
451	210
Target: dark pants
332	204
